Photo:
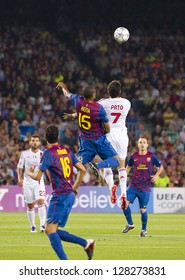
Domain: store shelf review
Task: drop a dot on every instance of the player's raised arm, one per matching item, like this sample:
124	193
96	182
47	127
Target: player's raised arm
69	116
63	87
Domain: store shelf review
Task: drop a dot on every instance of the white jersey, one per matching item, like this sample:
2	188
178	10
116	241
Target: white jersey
30	159
117	110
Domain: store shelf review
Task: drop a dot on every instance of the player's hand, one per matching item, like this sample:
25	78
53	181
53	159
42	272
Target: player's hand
62	86
30	171
153	178
20	182
68	116
75	190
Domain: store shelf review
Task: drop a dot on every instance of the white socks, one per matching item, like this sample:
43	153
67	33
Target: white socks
123	180
42	214
31	216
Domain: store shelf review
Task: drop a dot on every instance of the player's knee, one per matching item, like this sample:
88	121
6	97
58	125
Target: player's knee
142	210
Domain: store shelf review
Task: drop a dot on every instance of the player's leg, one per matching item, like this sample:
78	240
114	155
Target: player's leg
55	235
88	244
42	214
143	201
31	216
108	176
123	183
29	198
121	146
105	151
40	197
55	241
52	227
131	195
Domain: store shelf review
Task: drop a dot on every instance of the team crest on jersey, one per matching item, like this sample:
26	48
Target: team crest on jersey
148	159
80	158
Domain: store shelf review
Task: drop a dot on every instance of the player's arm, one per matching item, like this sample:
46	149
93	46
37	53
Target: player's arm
69	116
129	165
35	176
128	168
20	176
106	127
156	175
63	87
80	176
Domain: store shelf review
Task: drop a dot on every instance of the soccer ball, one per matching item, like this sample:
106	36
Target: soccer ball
121	35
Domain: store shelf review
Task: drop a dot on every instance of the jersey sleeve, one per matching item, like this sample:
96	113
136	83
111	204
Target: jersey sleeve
74	159
21	161
46	161
156	161
102	115
130	161
74	98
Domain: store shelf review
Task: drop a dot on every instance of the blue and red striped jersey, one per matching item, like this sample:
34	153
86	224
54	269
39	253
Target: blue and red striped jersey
59	161
91	116
143	170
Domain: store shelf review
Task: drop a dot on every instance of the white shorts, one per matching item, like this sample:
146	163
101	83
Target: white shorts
119	140
34	192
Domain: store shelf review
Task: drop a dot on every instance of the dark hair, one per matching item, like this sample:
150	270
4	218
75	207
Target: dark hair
35	136
51	134
88	92
145	135
114	88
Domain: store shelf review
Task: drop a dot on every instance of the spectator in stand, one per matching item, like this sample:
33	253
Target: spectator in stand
163	180
157	131
168	116
182	135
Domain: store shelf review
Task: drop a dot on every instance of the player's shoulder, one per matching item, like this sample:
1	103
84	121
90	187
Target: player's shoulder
25	152
102	100
134	154
149	153
125	100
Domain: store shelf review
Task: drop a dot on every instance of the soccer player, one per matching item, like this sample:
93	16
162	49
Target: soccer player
33	191
117	109
93	124
59	161
144	175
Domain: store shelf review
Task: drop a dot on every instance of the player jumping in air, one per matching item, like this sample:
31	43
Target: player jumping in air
93	124
117	109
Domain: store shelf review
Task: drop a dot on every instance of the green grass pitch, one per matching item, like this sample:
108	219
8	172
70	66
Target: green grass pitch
165	240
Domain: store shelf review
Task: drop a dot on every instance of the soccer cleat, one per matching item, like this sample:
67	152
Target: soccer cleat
143	233
127	228
95	169
124	203
33	229
113	194
42	229
89	249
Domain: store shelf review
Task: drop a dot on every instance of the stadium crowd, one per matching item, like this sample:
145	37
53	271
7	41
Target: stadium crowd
150	66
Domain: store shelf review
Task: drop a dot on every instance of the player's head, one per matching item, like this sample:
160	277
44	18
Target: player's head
143	142
114	89
34	142
89	92
51	134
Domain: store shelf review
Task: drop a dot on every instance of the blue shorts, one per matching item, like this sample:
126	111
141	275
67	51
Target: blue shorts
59	208
143	197
90	148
